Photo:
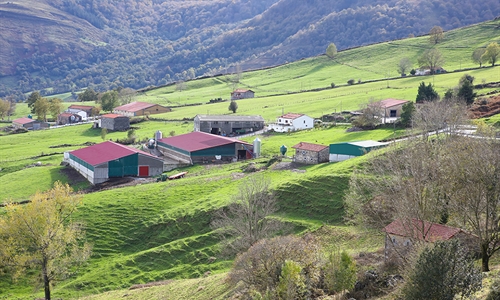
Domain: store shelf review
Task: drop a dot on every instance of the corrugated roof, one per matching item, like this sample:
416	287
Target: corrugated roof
23	120
113	116
198	140
230	118
309	147
291	116
390	102
106	151
368	144
134	106
241	91
422	230
65	114
82	107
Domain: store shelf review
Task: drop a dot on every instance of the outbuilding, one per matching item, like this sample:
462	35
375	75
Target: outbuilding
68	118
134	109
390	109
84	111
343	151
242	94
228	124
307	153
29	124
102	161
115	122
201	147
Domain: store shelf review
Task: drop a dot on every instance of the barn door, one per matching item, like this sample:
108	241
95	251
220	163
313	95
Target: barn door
143	171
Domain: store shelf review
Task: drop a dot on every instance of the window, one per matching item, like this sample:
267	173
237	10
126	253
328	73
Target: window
394	241
304	121
393	113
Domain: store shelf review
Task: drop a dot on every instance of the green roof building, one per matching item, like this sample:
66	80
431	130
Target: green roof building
343	151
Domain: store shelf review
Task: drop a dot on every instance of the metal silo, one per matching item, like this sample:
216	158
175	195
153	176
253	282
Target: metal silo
256	147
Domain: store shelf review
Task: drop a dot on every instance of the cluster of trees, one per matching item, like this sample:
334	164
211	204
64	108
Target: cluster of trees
149	48
7	107
41	106
490	54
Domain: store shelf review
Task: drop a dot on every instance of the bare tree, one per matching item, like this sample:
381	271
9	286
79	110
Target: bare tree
126	95
477	56
247	218
404	65
436	34
432	59
371	115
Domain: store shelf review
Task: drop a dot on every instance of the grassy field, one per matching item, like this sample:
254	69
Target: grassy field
160	231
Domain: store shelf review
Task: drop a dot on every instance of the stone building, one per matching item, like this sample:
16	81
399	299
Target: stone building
228	124
307	153
115	122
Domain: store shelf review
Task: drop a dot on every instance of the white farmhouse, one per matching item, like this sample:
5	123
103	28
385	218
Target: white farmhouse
292	122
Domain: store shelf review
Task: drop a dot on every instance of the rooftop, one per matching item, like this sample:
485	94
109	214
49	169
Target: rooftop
82	107
230	118
368	144
421	230
198	140
104	152
309	147
241	91
23	120
134	106
390	102
113	116
291	116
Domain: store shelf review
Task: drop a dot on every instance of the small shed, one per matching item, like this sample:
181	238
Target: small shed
68	118
402	234
228	124
201	147
242	94
391	109
29	124
134	109
343	151
115	122
102	161
308	153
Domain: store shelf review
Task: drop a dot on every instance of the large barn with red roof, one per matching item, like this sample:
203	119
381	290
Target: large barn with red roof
134	109
102	161
199	147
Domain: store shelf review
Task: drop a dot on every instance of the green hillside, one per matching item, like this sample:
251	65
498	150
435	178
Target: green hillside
160	231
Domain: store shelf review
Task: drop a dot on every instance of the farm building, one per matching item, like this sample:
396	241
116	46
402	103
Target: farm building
102	161
68	118
227	125
29	124
134	109
115	122
201	147
308	153
242	94
391	109
292	122
343	151
84	111
402	235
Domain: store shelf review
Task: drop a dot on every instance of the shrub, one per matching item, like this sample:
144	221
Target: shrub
494	293
332	84
292	283
413	72
350	82
339	272
442	271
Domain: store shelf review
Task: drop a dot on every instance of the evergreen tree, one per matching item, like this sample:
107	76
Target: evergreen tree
426	93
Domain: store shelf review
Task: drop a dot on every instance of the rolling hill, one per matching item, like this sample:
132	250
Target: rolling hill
65	45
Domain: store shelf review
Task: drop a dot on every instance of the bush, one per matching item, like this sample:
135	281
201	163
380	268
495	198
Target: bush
332	84
340	272
350	82
494	293
442	271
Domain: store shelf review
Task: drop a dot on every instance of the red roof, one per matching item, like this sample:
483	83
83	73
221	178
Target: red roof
104	152
65	114
23	121
113	116
309	147
198	140
390	102
241	91
134	106
291	116
82	107
418	229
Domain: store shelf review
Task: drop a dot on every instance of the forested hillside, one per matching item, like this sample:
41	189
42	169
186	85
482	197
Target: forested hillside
66	45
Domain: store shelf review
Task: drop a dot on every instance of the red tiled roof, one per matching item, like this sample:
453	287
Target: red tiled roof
418	229
113	116
291	116
390	102
134	106
82	107
65	114
309	147
23	121
104	152
241	91
198	140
